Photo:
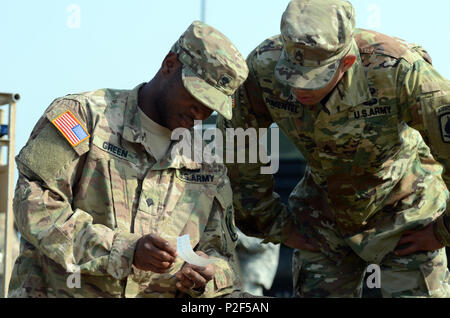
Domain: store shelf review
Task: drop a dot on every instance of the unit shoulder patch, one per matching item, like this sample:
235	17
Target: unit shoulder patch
444	123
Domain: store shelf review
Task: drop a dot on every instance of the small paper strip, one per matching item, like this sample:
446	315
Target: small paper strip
185	251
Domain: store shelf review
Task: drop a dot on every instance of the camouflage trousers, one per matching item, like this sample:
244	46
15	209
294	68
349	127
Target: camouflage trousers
338	270
418	275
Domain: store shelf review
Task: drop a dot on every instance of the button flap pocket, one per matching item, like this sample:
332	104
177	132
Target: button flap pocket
119	194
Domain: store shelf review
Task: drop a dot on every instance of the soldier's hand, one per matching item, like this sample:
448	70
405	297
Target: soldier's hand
418	241
195	277
296	240
153	253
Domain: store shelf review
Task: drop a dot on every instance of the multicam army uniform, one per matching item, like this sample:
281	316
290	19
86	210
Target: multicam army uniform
371	176
85	208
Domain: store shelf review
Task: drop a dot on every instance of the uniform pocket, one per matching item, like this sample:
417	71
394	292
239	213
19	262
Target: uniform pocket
436	276
436	114
93	193
102	193
122	213
178	206
378	138
192	211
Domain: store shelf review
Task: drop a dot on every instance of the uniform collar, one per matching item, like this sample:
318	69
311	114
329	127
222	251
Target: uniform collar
176	160
132	128
132	132
352	90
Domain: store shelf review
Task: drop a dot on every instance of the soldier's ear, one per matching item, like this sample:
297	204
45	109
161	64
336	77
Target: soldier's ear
170	63
348	62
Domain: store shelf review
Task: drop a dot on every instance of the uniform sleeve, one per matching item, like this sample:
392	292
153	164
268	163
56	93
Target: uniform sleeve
424	97
259	211
219	242
49	169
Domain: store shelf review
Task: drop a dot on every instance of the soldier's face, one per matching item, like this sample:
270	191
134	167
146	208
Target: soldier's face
177	107
314	97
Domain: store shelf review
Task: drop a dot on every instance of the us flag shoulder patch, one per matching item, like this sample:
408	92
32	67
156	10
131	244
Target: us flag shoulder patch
71	128
233	100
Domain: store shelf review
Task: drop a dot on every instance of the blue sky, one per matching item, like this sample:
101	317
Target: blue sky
51	48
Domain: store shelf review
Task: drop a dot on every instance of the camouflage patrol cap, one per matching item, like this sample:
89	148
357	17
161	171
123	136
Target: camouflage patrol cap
316	35
213	68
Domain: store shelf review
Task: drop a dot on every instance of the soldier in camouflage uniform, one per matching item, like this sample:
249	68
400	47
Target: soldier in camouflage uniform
364	109
110	204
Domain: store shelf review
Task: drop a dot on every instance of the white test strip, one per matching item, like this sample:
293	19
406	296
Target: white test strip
185	251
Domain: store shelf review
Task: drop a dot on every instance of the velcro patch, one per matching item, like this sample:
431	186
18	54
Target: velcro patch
71	128
115	150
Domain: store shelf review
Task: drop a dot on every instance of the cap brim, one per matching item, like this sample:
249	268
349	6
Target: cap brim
302	77
206	94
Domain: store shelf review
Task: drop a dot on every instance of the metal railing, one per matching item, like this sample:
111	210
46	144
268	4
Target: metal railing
7	182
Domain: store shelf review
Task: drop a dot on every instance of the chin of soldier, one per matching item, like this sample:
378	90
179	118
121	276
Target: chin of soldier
186	121
307	100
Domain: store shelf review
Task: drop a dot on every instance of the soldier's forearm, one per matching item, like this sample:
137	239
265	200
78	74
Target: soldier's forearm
69	237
